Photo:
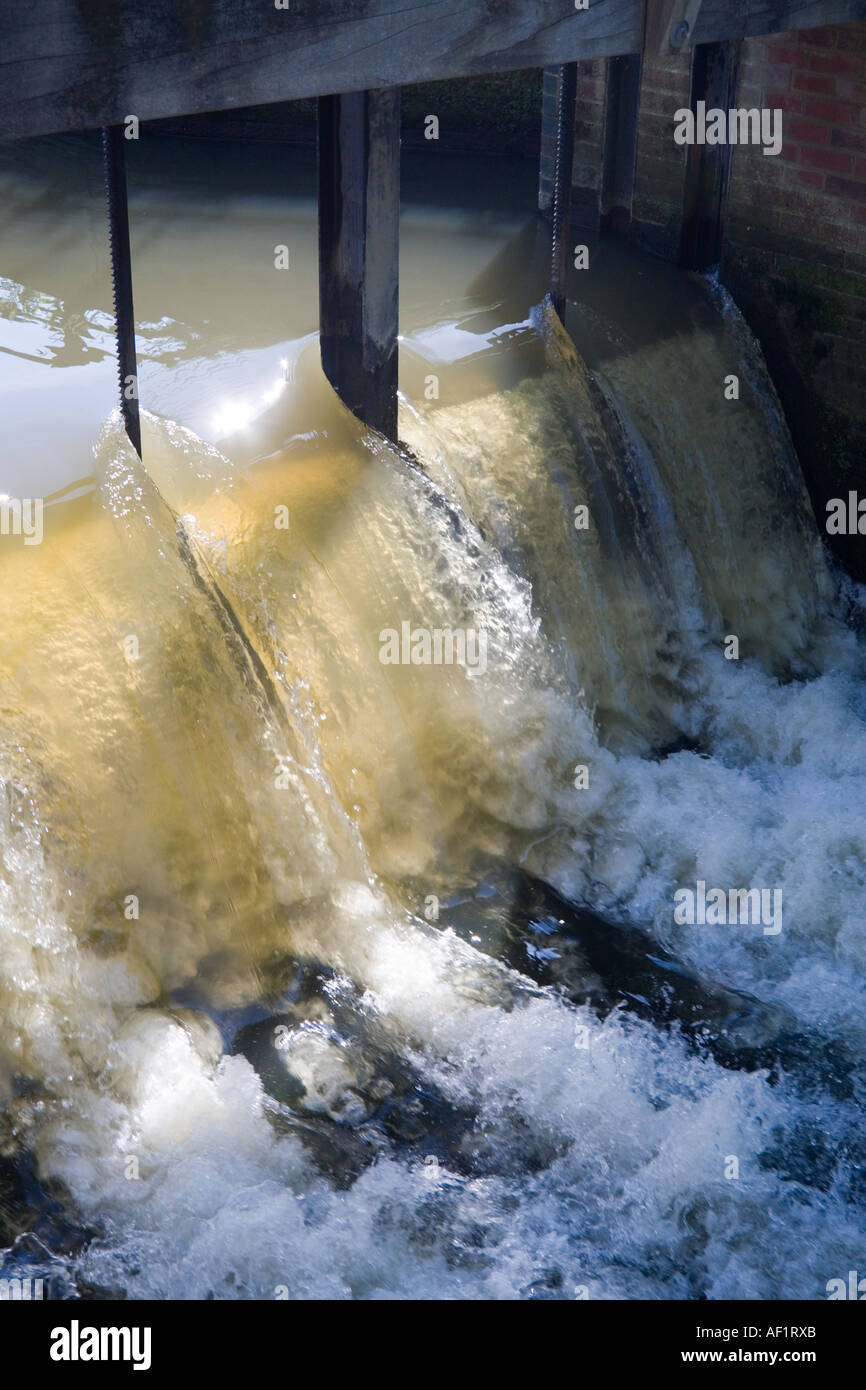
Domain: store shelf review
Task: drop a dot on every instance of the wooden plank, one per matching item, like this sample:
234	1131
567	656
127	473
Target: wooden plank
67	65
714	81
359	244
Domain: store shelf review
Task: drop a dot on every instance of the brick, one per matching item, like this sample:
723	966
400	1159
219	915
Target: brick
660	110
820	38
810	131
749	94
757	77
786	101
840	112
834	161
846	188
848	139
818	83
837	64
847	90
793	200
784	52
654	100
808	178
807	230
587	178
780	77
851	37
787	240
586	168
659	131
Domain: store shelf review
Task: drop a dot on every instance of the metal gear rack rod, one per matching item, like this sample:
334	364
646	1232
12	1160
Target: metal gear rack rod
566	102
114	148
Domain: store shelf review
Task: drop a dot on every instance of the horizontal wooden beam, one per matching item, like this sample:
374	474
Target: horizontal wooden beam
79	64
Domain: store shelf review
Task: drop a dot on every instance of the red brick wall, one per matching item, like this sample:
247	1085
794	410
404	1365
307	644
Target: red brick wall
795	249
795	234
818	79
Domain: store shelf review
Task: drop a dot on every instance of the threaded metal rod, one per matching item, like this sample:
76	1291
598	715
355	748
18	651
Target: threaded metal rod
114	149
566	101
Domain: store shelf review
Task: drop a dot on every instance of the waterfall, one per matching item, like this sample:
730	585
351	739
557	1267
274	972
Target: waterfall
357	977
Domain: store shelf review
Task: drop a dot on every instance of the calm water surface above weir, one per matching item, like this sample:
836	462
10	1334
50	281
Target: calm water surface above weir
365	978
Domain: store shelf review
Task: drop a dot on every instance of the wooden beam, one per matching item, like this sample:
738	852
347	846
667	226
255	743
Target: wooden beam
708	171
359	244
670	25
74	66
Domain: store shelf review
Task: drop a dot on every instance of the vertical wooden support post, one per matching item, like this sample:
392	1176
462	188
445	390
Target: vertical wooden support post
559	106
114	150
359	238
708	171
622	107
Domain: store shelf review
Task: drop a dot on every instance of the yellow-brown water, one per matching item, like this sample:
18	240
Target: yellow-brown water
226	817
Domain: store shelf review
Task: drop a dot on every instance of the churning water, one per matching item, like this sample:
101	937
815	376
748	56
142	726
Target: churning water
329	976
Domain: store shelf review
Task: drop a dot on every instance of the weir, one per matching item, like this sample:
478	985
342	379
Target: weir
351	794
160	61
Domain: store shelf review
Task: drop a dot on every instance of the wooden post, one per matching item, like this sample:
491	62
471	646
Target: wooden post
708	170
114	150
359	230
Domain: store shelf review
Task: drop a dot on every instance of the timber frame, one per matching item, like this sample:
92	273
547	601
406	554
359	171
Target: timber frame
82	64
79	64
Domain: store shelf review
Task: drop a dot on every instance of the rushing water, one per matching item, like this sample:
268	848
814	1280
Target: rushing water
332	978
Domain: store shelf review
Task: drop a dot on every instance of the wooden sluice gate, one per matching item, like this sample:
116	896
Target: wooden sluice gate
164	58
